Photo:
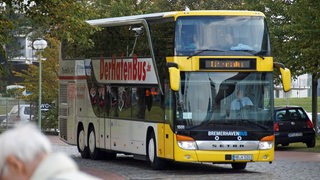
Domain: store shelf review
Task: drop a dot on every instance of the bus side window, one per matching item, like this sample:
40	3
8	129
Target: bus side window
141	106
97	99
124	102
114	102
155	105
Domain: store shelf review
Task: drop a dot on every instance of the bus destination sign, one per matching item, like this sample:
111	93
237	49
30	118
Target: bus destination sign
218	63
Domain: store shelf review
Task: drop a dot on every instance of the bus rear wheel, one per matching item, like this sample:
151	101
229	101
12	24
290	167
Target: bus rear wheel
93	150
155	162
239	166
81	144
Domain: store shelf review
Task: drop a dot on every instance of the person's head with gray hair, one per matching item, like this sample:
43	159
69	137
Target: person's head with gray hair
21	150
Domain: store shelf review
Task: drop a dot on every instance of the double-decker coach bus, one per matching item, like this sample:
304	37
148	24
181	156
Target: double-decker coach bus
189	86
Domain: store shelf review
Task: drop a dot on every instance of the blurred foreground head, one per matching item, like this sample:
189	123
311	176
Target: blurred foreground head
21	150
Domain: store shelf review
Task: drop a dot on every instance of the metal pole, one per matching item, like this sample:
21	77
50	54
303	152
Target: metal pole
39	98
39	44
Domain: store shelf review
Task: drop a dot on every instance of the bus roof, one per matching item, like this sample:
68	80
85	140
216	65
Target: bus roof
154	16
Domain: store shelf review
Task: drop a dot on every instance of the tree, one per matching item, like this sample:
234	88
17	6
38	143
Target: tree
294	29
177	5
6	26
304	43
59	19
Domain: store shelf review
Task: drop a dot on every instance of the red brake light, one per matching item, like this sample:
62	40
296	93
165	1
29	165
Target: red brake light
309	124
276	127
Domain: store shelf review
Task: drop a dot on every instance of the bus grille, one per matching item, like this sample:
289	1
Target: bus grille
63	93
63	111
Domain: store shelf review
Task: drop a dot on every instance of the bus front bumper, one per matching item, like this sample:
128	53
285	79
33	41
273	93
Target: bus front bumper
224	156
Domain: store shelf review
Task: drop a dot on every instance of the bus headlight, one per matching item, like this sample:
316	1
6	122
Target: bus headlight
188	145
264	145
266	142
186	142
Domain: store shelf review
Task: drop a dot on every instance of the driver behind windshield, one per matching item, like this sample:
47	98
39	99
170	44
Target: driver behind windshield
240	104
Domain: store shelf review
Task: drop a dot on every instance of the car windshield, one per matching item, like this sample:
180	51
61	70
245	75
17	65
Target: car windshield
215	35
293	114
224	97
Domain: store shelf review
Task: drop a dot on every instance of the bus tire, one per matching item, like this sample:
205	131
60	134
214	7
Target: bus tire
81	144
93	150
155	162
239	166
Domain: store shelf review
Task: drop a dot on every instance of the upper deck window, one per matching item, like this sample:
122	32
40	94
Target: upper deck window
221	35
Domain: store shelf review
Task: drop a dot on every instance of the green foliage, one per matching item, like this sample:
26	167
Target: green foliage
176	5
6	25
16	92
303	102
60	19
305	31
49	74
50	119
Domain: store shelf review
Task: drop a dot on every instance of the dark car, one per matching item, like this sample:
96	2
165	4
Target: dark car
291	125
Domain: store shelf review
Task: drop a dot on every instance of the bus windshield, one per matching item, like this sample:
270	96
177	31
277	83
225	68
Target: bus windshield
224	97
215	35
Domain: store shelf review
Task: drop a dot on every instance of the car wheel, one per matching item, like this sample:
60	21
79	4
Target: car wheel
81	144
93	150
238	166
155	162
311	143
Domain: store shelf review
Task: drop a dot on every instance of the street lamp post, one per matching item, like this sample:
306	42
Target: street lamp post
39	45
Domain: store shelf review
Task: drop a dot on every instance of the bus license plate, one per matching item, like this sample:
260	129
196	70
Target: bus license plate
245	157
294	134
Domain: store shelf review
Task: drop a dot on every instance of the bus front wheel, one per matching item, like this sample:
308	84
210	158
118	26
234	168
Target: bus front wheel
93	150
82	148
155	162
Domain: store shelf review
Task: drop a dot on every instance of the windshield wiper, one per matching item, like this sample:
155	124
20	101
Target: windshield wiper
255	123
203	50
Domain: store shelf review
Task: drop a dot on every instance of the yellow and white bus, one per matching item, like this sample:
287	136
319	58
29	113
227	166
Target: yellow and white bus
189	86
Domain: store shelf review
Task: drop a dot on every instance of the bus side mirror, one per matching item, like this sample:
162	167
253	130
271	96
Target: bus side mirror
286	79
174	74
